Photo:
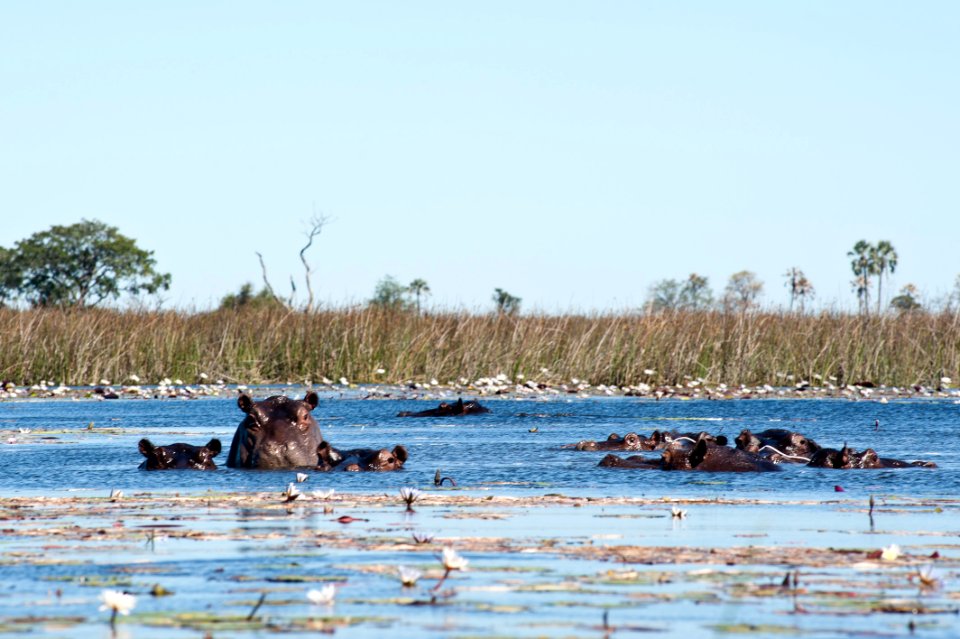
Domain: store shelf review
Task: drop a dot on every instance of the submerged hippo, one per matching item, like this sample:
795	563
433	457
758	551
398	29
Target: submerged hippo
446	409
179	456
777	445
278	432
705	455
630	441
847	458
360	459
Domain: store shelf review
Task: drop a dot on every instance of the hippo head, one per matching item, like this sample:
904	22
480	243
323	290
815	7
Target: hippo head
376	460
748	441
328	457
385	459
179	456
278	432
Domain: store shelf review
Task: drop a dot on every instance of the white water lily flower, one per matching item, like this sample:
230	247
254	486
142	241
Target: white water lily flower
890	553
409	496
677	513
453	561
302	477
117	601
344	382
323	494
291	492
408	576
322	597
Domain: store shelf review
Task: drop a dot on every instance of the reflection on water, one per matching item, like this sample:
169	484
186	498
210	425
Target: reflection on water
515	448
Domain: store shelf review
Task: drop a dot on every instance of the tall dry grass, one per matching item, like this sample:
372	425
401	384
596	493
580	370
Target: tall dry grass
271	345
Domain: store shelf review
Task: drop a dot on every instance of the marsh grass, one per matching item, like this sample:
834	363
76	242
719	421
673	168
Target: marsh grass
275	345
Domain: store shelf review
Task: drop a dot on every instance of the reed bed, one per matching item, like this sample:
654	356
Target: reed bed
274	345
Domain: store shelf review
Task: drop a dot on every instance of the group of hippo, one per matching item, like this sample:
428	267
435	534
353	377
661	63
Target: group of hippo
279	432
753	452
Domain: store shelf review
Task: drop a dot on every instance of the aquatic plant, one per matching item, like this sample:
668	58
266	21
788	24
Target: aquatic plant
291	493
408	576
677	513
451	561
117	601
890	553
323	596
302	477
409	496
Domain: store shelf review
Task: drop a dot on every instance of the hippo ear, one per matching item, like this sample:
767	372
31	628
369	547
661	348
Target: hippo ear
214	446
245	403
400	452
312	399
146	448
657	437
699	452
722	440
612	437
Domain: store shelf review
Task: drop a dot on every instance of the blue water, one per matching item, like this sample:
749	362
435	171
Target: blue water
60	453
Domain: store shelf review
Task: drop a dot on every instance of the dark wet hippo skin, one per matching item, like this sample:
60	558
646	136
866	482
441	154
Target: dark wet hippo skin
630	441
278	432
778	445
360	459
634	461
179	456
658	440
847	458
704	456
447	409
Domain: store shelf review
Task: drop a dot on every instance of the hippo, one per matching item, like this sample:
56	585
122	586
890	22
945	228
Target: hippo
278	432
359	459
777	445
712	457
634	461
847	458
658	440
630	441
705	455
179	456
446	409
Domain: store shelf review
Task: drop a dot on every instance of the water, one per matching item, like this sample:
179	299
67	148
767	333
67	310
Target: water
495	449
55	558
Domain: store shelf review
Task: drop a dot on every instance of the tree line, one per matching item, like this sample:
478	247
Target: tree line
89	263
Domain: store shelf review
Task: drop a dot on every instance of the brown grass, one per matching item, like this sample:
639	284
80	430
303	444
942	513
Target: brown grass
271	345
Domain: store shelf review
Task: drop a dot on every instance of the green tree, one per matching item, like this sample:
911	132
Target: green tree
391	294
742	291
246	298
863	267
907	300
419	287
78	265
884	259
671	295
664	296
506	303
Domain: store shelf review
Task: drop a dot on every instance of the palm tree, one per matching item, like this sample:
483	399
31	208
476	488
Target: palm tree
884	258
863	267
419	287
507	304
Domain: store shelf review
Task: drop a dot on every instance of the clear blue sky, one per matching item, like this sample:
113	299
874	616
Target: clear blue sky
572	153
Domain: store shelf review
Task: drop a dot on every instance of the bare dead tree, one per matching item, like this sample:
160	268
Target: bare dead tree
314	227
266	282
